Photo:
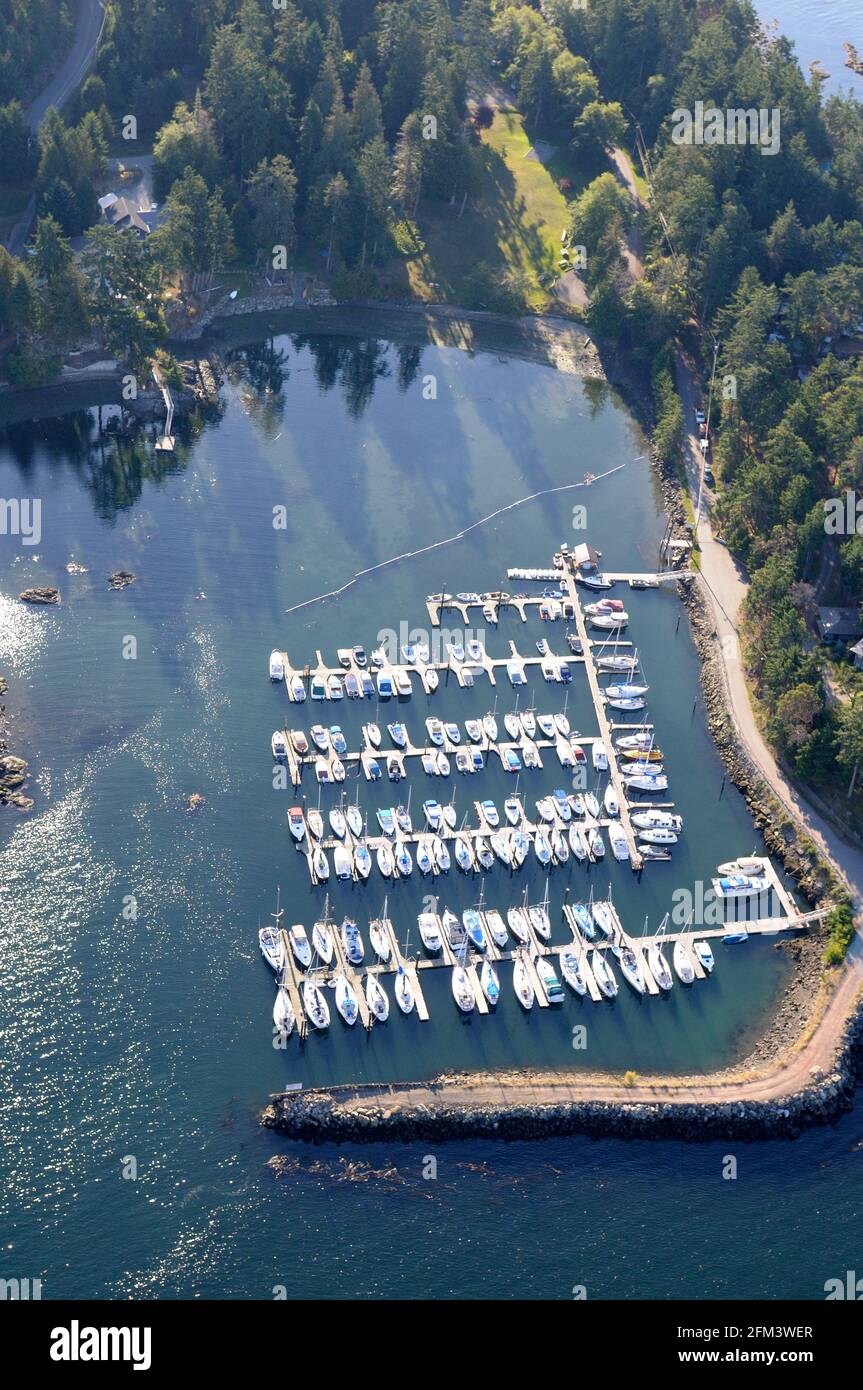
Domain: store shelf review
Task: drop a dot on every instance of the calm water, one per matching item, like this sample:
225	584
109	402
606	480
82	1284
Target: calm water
818	29
152	1037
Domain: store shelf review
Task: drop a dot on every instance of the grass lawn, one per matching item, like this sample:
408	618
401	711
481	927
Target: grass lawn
514	223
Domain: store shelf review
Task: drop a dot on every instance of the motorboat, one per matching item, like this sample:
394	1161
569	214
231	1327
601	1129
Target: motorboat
489	727
462	991
442	764
489	612
704	954
399	734
530	754
362	861
591	805
452	732
560	801
342	862
297	690
522	983
595	843
464	762
352	941
642	741
320	737
546	725
404	685
570	968
367	685
656	820
373	735
528	722
353	689
386	820
320	864
453	929
512	810
429	929
456	651
360	657
322	941
425	862
538	918
515	672
318	687
592	579
658	835
338	824
335	688
641	755
473	729
496	929
490	813
618	841
545	809
344	656
316	1007
284	1017
577	843
323	772
602	917
279	746
658	966
378	1003
299	742
474	650
346	1000
441	855
611	802
372	768
385	860
403	990
552	988
296	823
430	679
518	924
489	982
584	921
385	685
631	968
740	886
277	666
744	865
270	942
380	941
472	923
682	962
579	809
542	647
603	974
404	863
644	783
338	770
395	771
599	756
550	668
435	731
300	944
578	752
429	764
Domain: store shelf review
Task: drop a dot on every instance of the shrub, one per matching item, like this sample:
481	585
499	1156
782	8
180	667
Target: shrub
840	924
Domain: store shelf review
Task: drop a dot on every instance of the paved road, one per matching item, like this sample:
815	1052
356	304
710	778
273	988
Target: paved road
75	68
724	587
76	65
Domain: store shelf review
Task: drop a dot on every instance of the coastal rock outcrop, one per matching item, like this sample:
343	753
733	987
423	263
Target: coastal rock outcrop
120	579
40	594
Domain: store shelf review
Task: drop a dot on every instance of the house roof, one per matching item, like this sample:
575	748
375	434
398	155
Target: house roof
841	623
585	555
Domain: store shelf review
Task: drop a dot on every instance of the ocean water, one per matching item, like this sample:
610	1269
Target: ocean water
818	29
134	1004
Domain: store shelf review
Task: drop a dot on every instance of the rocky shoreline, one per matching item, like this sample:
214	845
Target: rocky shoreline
13	770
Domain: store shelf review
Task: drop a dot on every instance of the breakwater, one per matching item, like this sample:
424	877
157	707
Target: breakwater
514	1107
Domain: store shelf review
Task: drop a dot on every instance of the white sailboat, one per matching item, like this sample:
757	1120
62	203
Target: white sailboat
283	1013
